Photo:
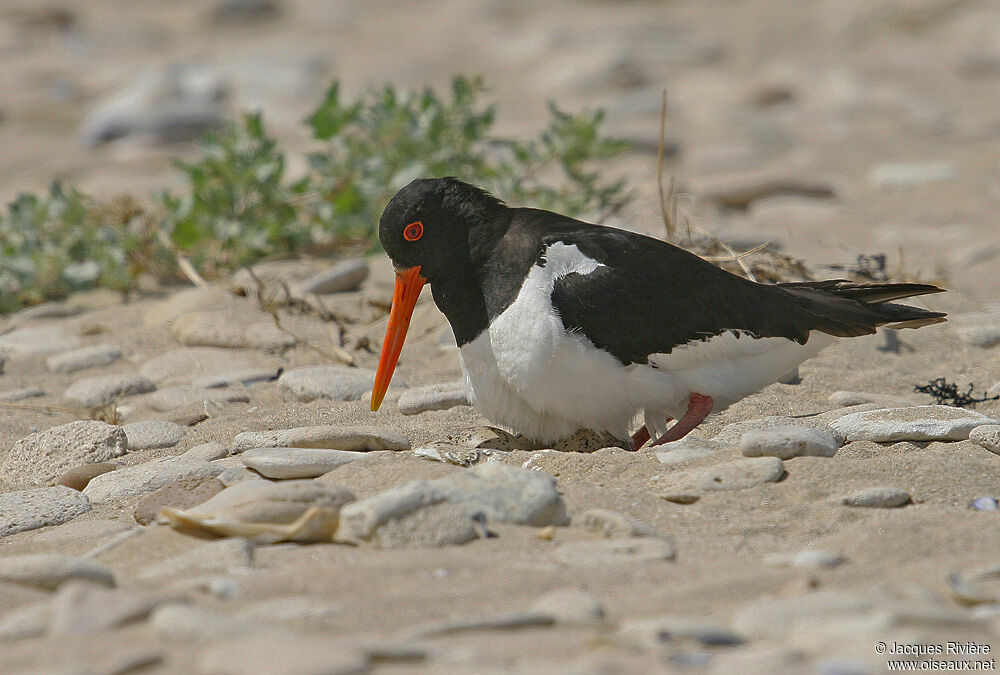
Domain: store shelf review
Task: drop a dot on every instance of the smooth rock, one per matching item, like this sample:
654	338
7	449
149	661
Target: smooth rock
50	570
285	655
570	606
80	608
207	452
42	457
788	442
235	554
614	525
244	11
655	632
86	357
246	377
327	436
284	463
172	398
101	390
153	434
915	423
190	363
236	474
226	329
15	395
910	174
877	498
431	527
185	493
344	276
146	477
981	329
985	504
846	399
78	477
740	474
687	449
37	341
46	310
335	383
987	436
615	553
360	519
31	509
506	494
25	622
809	559
731	434
434	397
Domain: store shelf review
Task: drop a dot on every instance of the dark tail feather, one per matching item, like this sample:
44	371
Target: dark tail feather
848	309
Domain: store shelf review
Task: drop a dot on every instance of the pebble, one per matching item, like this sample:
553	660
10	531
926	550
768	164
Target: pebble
482	622
434	397
186	364
615	553
172	398
236	474
153	434
778	617
910	174
25	622
243	11
190	419
344	276
334	383
246	377
282	655
101	390
42	457
78	477
48	571
614	525
15	395
46	310
687	449
846	399
181	623
788	442
207	452
987	436
740	474
225	329
80	608
877	498
981	329
86	357
146	477
569	606
30	509
428	527
360	520
809	559
506	494
327	436
985	504
37	342
235	554
289	608
732	433
180	494
657	631
82	530
283	463
994	390
915	423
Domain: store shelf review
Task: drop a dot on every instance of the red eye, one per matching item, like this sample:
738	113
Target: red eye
413	231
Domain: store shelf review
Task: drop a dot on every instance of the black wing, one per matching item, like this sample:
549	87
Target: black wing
651	297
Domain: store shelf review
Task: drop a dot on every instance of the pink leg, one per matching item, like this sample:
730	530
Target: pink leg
698	409
639	438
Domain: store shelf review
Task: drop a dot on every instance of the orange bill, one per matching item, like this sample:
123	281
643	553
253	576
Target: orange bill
404	299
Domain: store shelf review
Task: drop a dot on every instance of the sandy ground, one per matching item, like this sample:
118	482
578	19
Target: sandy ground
823	91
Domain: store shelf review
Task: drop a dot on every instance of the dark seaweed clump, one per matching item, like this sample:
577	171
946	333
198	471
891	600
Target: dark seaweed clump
947	393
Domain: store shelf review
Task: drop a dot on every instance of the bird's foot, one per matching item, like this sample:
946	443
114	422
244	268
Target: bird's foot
699	407
639	438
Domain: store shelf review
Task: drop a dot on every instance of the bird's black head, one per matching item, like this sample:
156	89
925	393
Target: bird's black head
428	225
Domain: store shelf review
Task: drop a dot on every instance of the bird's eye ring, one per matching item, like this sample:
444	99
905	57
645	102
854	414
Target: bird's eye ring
413	231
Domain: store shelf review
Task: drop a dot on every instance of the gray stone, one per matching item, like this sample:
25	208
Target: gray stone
207	452
736	475
15	395
434	397
809	559
328	436
429	527
877	498
687	449
788	442
335	383
283	463
42	457
344	276
359	520
50	570
569	606
282	655
655	632
25	622
615	553
146	477
46	310
230	330
987	436
910	174
37	341
851	398
101	390
31	509
226	555
915	423
86	357
172	398
613	524
80	608
506	494
236	474
153	434
731	434
245	376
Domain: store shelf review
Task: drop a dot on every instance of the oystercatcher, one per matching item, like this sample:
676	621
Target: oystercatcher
565	325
